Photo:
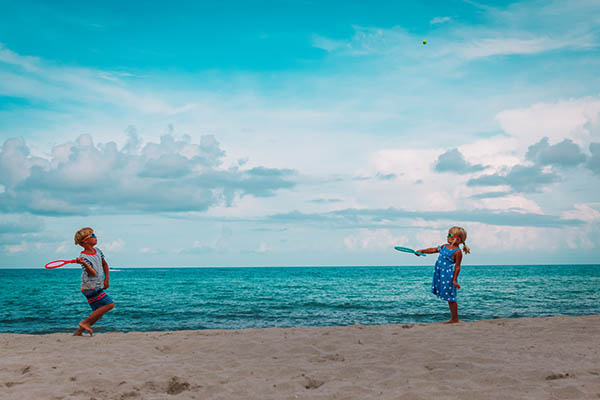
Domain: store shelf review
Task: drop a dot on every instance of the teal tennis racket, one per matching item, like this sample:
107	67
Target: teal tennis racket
407	250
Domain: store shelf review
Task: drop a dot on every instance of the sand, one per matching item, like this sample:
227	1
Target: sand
527	358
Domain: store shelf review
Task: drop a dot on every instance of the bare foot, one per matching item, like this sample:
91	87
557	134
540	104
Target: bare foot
86	327
78	332
451	322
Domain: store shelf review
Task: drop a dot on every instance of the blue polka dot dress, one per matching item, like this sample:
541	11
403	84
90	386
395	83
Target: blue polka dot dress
443	274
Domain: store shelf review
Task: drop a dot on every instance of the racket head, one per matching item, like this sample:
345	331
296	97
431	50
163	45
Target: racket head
407	250
57	263
404	249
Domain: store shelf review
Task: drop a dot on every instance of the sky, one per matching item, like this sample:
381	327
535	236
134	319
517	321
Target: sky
298	133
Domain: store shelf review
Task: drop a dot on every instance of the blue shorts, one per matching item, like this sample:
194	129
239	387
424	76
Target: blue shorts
97	298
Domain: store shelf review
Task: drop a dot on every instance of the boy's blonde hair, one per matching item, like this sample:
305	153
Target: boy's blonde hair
462	234
82	234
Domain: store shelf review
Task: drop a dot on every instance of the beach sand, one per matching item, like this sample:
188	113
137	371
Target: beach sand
526	358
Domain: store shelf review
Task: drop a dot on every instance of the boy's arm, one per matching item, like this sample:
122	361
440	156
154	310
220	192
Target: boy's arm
430	250
88	269
105	268
458	259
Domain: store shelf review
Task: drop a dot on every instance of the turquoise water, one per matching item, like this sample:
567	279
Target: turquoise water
45	301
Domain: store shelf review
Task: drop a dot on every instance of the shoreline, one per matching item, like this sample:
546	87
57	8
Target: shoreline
241	330
545	357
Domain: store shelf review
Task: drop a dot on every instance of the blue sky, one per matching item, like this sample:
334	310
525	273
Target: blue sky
299	133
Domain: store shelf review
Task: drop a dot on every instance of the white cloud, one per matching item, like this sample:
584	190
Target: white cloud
464	44
369	41
439	20
368	239
483	237
481	48
584	211
326	44
413	163
42	80
16	248
62	248
26	62
159	177
115	245
514	202
263	248
563	119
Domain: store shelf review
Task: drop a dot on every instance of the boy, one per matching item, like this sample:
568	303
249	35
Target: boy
94	279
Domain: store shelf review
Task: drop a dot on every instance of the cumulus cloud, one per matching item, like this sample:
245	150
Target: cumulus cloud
173	175
371	218
115	245
573	118
12	224
373	239
491	195
219	243
15	248
594	161
545	160
386	177
563	154
321	200
520	178
453	161
585	212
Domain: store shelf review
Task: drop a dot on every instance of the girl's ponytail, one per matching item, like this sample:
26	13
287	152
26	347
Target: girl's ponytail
466	248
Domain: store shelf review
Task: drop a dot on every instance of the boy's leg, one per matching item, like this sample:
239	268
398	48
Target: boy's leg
87	323
454	311
104	309
79	331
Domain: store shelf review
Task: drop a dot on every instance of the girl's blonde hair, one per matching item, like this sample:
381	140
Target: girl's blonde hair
82	234
462	234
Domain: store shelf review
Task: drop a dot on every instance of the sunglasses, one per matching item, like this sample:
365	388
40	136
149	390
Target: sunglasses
450	235
91	235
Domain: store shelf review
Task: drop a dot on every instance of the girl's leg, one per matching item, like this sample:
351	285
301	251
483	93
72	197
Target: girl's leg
454	311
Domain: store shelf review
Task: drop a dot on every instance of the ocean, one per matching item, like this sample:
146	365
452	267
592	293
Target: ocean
157	299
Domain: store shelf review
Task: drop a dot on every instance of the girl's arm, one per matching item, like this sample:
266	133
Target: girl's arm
457	258
430	250
105	268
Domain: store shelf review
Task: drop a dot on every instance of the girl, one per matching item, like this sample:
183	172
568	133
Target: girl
447	268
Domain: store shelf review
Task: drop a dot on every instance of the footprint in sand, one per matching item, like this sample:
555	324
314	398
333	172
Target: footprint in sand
175	386
312	383
328	357
557	376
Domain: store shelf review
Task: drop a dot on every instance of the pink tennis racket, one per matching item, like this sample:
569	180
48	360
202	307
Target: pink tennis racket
58	263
